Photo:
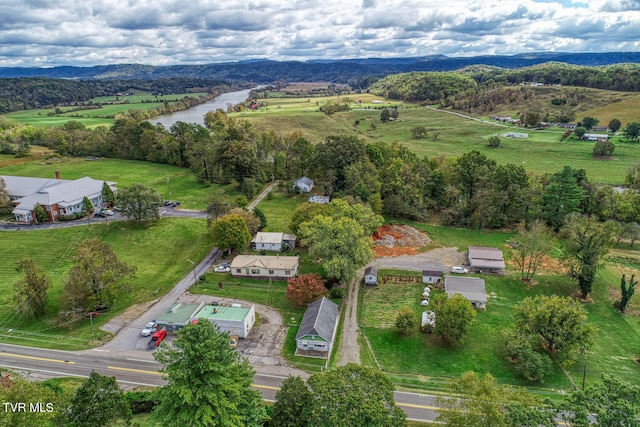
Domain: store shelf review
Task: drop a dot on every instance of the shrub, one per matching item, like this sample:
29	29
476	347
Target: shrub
142	401
336	292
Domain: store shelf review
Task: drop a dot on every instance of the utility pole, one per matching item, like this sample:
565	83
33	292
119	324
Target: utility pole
91	321
195	277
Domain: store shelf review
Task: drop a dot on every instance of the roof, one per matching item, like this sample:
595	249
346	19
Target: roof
371	270
472	288
223	313
179	313
267	237
22	186
482	257
320	320
432	272
305	180
266	261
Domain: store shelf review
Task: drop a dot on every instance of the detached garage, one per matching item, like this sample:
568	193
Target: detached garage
485	259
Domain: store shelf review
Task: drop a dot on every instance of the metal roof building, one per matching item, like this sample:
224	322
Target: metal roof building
235	320
318	327
482	258
472	288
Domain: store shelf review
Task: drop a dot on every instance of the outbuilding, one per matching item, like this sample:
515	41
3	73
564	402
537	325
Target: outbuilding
304	184
472	288
235	320
432	274
485	259
371	276
178	316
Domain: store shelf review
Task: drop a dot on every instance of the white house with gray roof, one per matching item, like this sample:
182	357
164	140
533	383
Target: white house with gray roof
57	196
472	288
303	184
272	241
318	327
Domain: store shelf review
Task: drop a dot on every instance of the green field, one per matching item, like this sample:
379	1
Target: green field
99	116
542	152
172	182
159	251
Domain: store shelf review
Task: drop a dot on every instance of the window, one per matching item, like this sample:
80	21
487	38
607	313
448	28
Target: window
246	270
238	270
270	271
287	272
255	271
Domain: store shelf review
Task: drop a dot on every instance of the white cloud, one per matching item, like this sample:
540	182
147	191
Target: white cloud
68	32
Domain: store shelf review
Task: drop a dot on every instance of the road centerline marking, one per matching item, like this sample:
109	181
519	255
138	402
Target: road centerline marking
41	359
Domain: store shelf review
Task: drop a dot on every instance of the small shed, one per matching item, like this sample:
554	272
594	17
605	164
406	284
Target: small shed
303	184
472	288
432	274
371	276
318	327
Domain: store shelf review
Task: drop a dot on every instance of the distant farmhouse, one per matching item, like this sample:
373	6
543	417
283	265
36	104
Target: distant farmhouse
265	266
57	196
515	135
317	330
304	184
597	137
323	200
270	241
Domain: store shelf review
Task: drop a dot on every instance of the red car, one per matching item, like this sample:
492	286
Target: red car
157	338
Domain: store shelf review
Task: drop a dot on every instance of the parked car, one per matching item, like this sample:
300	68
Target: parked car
150	328
459	270
157	338
107	212
99	214
222	269
225	263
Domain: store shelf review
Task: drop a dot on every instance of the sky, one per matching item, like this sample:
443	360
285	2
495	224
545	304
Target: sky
43	33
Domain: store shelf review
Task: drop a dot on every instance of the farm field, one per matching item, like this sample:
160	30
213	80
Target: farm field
542	152
99	116
159	252
180	182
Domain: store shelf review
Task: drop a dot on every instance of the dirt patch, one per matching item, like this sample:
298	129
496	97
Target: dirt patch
578	296
395	240
549	265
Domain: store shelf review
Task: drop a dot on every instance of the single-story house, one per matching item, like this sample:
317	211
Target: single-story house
432	274
178	316
567	125
598	137
303	184
318	327
515	135
600	129
323	200
482	258
371	276
265	266
472	288
271	241
235	320
57	196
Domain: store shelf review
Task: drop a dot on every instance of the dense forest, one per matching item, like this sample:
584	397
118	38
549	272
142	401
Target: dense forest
422	86
28	93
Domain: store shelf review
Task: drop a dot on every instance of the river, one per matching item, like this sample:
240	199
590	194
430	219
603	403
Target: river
196	114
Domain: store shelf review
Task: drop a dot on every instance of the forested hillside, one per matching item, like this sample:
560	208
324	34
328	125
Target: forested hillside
429	86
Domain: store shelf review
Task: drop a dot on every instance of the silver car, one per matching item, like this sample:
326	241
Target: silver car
150	328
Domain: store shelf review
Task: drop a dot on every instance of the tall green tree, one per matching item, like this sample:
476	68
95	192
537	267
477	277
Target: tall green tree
208	383
614	125
471	171
626	292
331	159
5	202
487	403
292	401
108	196
454	316
50	403
140	202
40	213
95	281
352	395
532	246
31	292
586	242
98	402
589	122
561	196
87	206
632	131
230	232
560	324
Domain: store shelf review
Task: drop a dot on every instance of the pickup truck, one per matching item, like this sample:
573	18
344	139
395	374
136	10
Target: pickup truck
157	338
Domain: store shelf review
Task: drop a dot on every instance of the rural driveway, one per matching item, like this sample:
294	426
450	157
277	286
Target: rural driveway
349	347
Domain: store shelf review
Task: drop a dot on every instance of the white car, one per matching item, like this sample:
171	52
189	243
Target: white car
459	270
108	212
151	328
222	269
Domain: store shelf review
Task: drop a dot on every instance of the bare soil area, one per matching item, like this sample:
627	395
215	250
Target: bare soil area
398	239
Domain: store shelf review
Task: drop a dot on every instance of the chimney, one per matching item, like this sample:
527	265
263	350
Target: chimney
57	174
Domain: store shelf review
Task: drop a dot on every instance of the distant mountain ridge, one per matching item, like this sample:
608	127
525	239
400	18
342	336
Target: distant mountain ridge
337	71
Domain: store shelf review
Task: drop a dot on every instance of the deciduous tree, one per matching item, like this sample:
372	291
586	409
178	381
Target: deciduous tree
98	402
531	246
586	242
588	122
626	292
95	280
352	395
614	125
230	232
108	196
603	148
15	389
559	322
5	201
405	320
140	202
305	288
40	213
292	401
208	383
31	291
632	131
87	206
454	317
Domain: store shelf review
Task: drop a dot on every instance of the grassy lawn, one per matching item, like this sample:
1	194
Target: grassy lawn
181	181
159	252
279	209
